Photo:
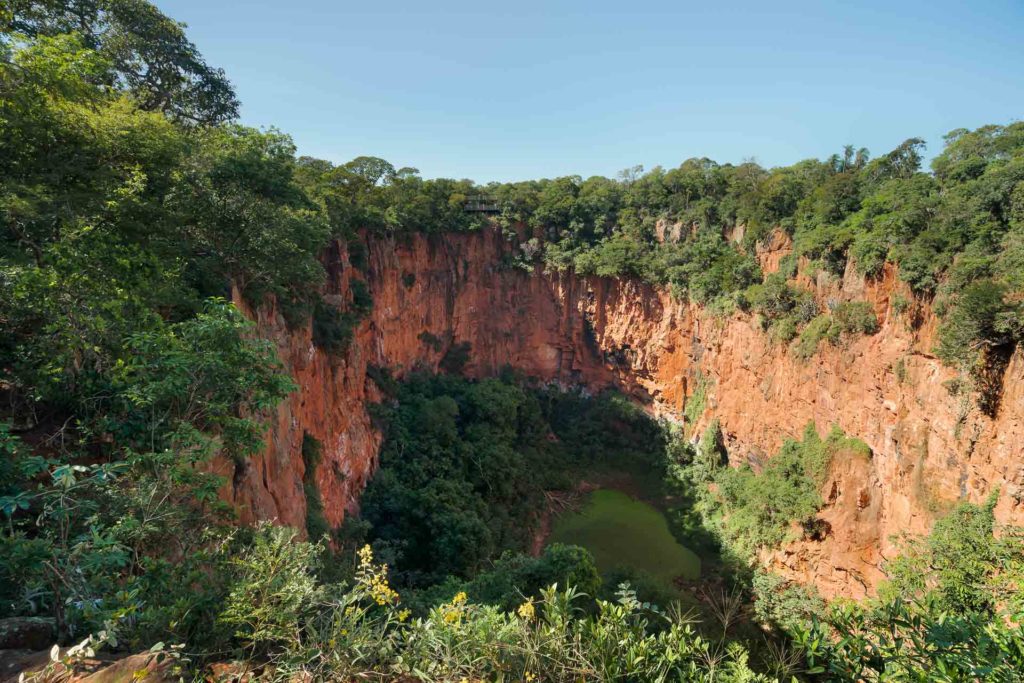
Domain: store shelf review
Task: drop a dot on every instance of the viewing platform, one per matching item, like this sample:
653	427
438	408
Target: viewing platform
481	204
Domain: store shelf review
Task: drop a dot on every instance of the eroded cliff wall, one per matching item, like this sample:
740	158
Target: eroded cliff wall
930	448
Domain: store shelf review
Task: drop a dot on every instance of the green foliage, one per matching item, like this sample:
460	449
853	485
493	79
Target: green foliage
121	217
751	510
455	358
966	215
382	377
978	334
464	465
811	336
854	317
516	577
912	641
431	341
698	400
458	479
132	208
107	519
333	328
183	386
274	586
950	611
784	604
846	318
145	54
364	631
312	452
966	564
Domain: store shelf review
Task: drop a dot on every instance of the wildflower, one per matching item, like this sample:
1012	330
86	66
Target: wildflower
526	610
530	676
459	598
403	615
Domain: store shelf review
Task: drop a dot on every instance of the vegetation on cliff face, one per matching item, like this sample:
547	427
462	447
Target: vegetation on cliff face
753	510
130	205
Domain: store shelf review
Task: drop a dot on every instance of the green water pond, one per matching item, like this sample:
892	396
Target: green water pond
622	531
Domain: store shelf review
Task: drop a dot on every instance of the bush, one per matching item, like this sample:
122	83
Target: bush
316	524
811	337
273	590
855	317
332	329
850	317
455	358
980	319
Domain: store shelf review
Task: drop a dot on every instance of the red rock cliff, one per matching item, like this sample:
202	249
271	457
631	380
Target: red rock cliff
930	449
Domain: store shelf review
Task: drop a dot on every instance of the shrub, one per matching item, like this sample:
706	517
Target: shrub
273	590
431	341
455	358
812	335
782	331
784	604
332	329
981	318
316	524
697	402
855	317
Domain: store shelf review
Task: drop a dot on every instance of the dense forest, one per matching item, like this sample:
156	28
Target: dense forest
133	205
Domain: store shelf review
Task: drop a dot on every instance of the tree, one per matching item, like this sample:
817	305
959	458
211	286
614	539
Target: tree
147	54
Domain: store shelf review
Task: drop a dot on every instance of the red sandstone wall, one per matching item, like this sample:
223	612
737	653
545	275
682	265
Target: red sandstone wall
930	449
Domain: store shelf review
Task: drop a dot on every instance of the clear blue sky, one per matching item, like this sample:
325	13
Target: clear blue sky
515	90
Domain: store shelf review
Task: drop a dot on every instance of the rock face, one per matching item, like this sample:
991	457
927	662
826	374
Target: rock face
432	293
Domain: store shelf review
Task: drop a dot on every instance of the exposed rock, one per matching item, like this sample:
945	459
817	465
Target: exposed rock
27	633
929	449
13	663
145	667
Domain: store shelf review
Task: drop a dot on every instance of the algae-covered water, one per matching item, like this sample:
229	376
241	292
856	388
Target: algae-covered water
622	531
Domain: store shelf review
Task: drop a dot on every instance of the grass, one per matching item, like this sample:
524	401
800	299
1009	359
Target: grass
621	531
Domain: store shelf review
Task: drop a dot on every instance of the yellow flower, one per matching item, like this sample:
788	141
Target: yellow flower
530	676
403	615
459	598
526	610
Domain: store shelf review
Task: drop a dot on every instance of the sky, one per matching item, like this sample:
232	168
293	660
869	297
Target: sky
516	90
